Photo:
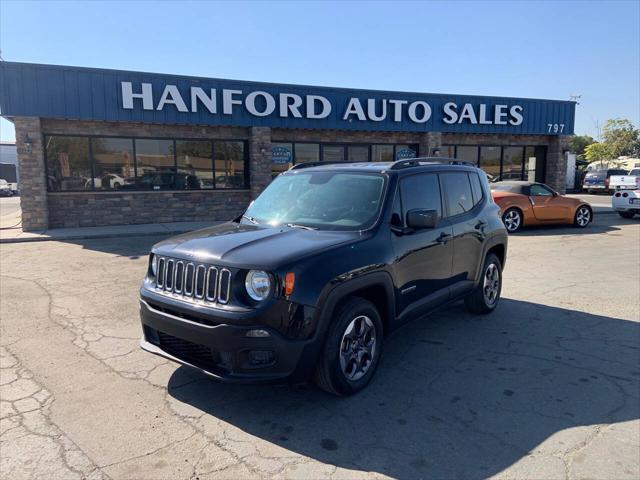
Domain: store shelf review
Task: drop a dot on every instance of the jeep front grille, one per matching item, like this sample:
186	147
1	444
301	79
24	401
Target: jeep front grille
193	280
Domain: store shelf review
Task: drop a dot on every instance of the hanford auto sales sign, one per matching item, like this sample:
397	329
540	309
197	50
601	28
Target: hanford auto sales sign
93	94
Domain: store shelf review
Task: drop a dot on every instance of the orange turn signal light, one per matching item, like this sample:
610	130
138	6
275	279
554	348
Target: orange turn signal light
289	282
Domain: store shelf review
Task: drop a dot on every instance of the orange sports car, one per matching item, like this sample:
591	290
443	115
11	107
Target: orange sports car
530	203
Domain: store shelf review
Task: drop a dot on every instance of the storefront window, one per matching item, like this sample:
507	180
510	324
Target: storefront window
382	153
447	151
194	165
332	153
358	153
113	163
306	152
155	165
490	161
281	157
467	154
68	163
229	165
530	161
512	163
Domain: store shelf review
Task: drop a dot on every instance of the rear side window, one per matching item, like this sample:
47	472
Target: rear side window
476	189
457	192
420	191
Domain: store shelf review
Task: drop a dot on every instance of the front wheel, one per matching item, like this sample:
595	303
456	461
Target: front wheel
352	348
484	297
626	214
582	217
512	219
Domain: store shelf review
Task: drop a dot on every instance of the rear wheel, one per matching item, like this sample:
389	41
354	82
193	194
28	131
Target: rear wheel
486	294
626	214
352	348
512	219
583	217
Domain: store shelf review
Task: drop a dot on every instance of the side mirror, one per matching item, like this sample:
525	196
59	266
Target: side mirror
555	194
419	218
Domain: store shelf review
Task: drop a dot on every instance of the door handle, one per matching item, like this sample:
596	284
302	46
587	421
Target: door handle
443	238
480	225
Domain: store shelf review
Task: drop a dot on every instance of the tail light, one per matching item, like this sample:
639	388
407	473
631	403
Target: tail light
606	182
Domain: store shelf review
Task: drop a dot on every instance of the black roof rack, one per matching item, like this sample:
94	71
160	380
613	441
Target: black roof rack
415	162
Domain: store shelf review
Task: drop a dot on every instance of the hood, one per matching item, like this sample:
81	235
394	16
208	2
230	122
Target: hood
247	246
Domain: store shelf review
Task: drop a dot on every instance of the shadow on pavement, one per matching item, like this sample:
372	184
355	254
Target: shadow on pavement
456	396
133	247
604	223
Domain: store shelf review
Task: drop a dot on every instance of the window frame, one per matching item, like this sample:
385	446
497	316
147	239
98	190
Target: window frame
212	141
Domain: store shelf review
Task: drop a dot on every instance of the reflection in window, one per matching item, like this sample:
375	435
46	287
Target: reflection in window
467	154
194	164
332	153
68	163
490	161
358	153
512	163
382	153
447	151
113	163
530	161
229	165
457	191
307	152
281	157
155	164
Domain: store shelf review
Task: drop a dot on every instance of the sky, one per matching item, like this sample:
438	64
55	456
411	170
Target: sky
521	49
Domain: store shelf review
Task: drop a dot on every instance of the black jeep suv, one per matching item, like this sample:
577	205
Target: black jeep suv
325	263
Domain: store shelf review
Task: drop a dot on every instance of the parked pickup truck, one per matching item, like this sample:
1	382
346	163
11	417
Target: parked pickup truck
625	182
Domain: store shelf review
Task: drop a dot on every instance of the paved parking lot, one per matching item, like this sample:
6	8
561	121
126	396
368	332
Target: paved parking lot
547	387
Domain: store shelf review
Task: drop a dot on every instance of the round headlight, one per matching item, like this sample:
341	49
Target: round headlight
154	264
257	284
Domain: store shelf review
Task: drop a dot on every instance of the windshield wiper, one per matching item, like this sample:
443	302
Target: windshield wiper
306	227
251	219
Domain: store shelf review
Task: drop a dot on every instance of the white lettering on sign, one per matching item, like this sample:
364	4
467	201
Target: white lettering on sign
228	101
286	107
312	101
250	103
128	96
172	96
209	101
483	116
290	105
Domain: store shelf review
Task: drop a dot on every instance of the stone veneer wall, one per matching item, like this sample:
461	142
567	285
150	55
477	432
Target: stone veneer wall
41	210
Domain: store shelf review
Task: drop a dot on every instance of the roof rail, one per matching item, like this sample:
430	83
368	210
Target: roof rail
415	162
299	166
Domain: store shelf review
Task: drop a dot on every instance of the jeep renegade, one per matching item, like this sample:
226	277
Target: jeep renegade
323	265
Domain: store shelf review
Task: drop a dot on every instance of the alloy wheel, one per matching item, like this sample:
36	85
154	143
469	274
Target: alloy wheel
583	216
512	220
357	348
491	285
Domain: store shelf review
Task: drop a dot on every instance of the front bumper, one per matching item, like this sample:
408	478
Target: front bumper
223	351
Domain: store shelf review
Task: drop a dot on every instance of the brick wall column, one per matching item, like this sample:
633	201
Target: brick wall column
556	169
260	159
428	142
33	179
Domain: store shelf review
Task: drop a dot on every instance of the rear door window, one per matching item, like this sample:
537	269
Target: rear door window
476	188
420	191
457	192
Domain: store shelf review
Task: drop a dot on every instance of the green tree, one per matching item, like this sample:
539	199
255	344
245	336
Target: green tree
621	137
579	142
598	152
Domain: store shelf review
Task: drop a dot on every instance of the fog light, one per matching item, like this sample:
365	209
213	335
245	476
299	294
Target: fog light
259	333
261	357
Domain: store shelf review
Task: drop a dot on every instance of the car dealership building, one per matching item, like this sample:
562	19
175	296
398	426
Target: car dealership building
107	147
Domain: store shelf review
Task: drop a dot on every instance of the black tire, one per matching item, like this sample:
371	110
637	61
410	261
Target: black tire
330	375
626	214
583	217
479	303
512	219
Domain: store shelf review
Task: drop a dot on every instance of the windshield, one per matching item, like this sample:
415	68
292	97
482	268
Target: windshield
320	199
